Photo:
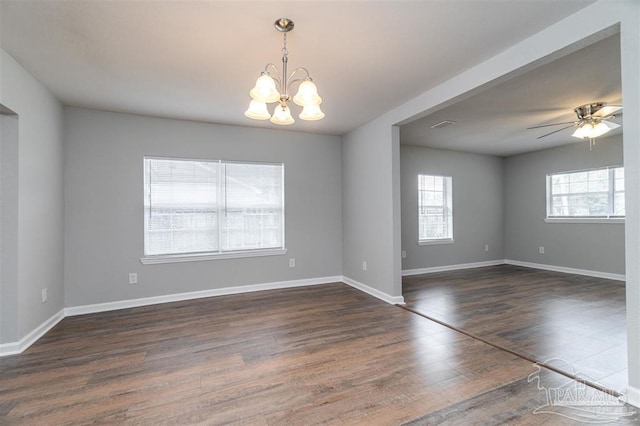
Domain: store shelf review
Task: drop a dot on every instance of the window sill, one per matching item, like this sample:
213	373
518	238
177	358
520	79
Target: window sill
174	258
583	220
436	242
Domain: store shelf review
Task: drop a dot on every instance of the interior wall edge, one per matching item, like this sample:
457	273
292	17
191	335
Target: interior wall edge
15	348
632	396
392	300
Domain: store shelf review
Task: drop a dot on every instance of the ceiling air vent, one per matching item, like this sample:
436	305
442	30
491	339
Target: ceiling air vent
442	124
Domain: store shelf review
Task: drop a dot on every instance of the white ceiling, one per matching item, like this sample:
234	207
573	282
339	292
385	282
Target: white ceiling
495	121
197	60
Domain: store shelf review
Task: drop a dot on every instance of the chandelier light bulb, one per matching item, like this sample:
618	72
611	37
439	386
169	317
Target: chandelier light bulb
282	116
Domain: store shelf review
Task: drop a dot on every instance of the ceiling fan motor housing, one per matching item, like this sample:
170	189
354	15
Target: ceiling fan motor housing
584	111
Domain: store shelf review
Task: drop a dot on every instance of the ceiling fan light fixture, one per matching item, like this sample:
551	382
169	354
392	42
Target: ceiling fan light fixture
591	130
599	129
592	122
277	87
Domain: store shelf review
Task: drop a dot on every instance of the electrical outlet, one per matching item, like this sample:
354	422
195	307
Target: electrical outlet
541	250
292	263
404	254
44	295
486	247
133	278
364	265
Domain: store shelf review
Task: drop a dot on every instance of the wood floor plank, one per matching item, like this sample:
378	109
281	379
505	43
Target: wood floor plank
315	355
540	314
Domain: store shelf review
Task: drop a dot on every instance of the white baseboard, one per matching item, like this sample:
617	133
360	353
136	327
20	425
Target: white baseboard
633	396
14	348
20	346
145	301
587	272
393	300
408	272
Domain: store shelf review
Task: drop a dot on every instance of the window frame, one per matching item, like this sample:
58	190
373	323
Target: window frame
220	253
610	217
447	206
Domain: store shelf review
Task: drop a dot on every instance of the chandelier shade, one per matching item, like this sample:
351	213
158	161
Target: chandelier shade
282	115
311	113
265	90
307	94
277	87
257	110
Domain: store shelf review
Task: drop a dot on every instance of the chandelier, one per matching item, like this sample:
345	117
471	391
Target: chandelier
276	87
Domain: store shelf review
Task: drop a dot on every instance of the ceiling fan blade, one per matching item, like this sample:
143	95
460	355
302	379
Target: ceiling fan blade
607	111
611	124
555	131
549	125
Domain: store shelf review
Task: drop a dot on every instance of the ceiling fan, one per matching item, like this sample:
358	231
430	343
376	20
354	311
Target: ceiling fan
592	121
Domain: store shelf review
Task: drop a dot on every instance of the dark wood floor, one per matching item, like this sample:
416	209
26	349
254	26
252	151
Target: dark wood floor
580	321
315	355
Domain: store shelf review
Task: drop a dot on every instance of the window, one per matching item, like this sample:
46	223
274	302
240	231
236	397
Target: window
595	194
435	209
195	207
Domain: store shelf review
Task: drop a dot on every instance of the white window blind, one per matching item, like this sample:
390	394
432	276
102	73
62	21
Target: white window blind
209	207
435	208
595	193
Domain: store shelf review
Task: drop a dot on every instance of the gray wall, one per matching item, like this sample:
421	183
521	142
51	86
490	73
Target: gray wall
477	206
596	247
9	228
104	205
38	195
368	208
